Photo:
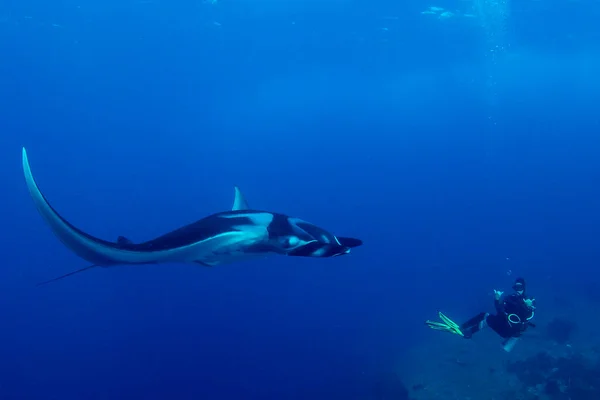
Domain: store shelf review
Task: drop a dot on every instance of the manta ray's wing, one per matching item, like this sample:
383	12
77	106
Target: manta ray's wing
96	251
213	240
104	253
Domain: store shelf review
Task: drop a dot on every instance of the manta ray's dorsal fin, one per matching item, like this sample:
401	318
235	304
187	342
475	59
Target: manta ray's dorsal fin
239	202
123	240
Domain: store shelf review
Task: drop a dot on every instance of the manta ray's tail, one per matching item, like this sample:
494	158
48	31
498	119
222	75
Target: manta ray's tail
65	275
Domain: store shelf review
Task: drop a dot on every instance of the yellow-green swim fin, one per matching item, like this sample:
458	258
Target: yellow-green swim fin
446	325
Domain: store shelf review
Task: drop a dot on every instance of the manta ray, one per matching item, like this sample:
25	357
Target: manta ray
221	238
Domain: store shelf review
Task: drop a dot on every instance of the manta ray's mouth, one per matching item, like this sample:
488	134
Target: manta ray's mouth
319	249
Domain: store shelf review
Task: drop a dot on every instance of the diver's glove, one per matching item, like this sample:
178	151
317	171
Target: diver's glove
446	325
530	303
498	294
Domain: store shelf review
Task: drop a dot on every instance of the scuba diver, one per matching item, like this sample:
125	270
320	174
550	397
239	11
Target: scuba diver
513	316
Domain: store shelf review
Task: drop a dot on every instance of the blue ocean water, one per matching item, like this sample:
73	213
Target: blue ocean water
459	142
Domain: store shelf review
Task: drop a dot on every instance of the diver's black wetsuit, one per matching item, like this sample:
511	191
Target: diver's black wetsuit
511	318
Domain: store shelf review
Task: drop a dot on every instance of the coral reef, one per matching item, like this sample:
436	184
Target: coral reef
560	330
558	378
